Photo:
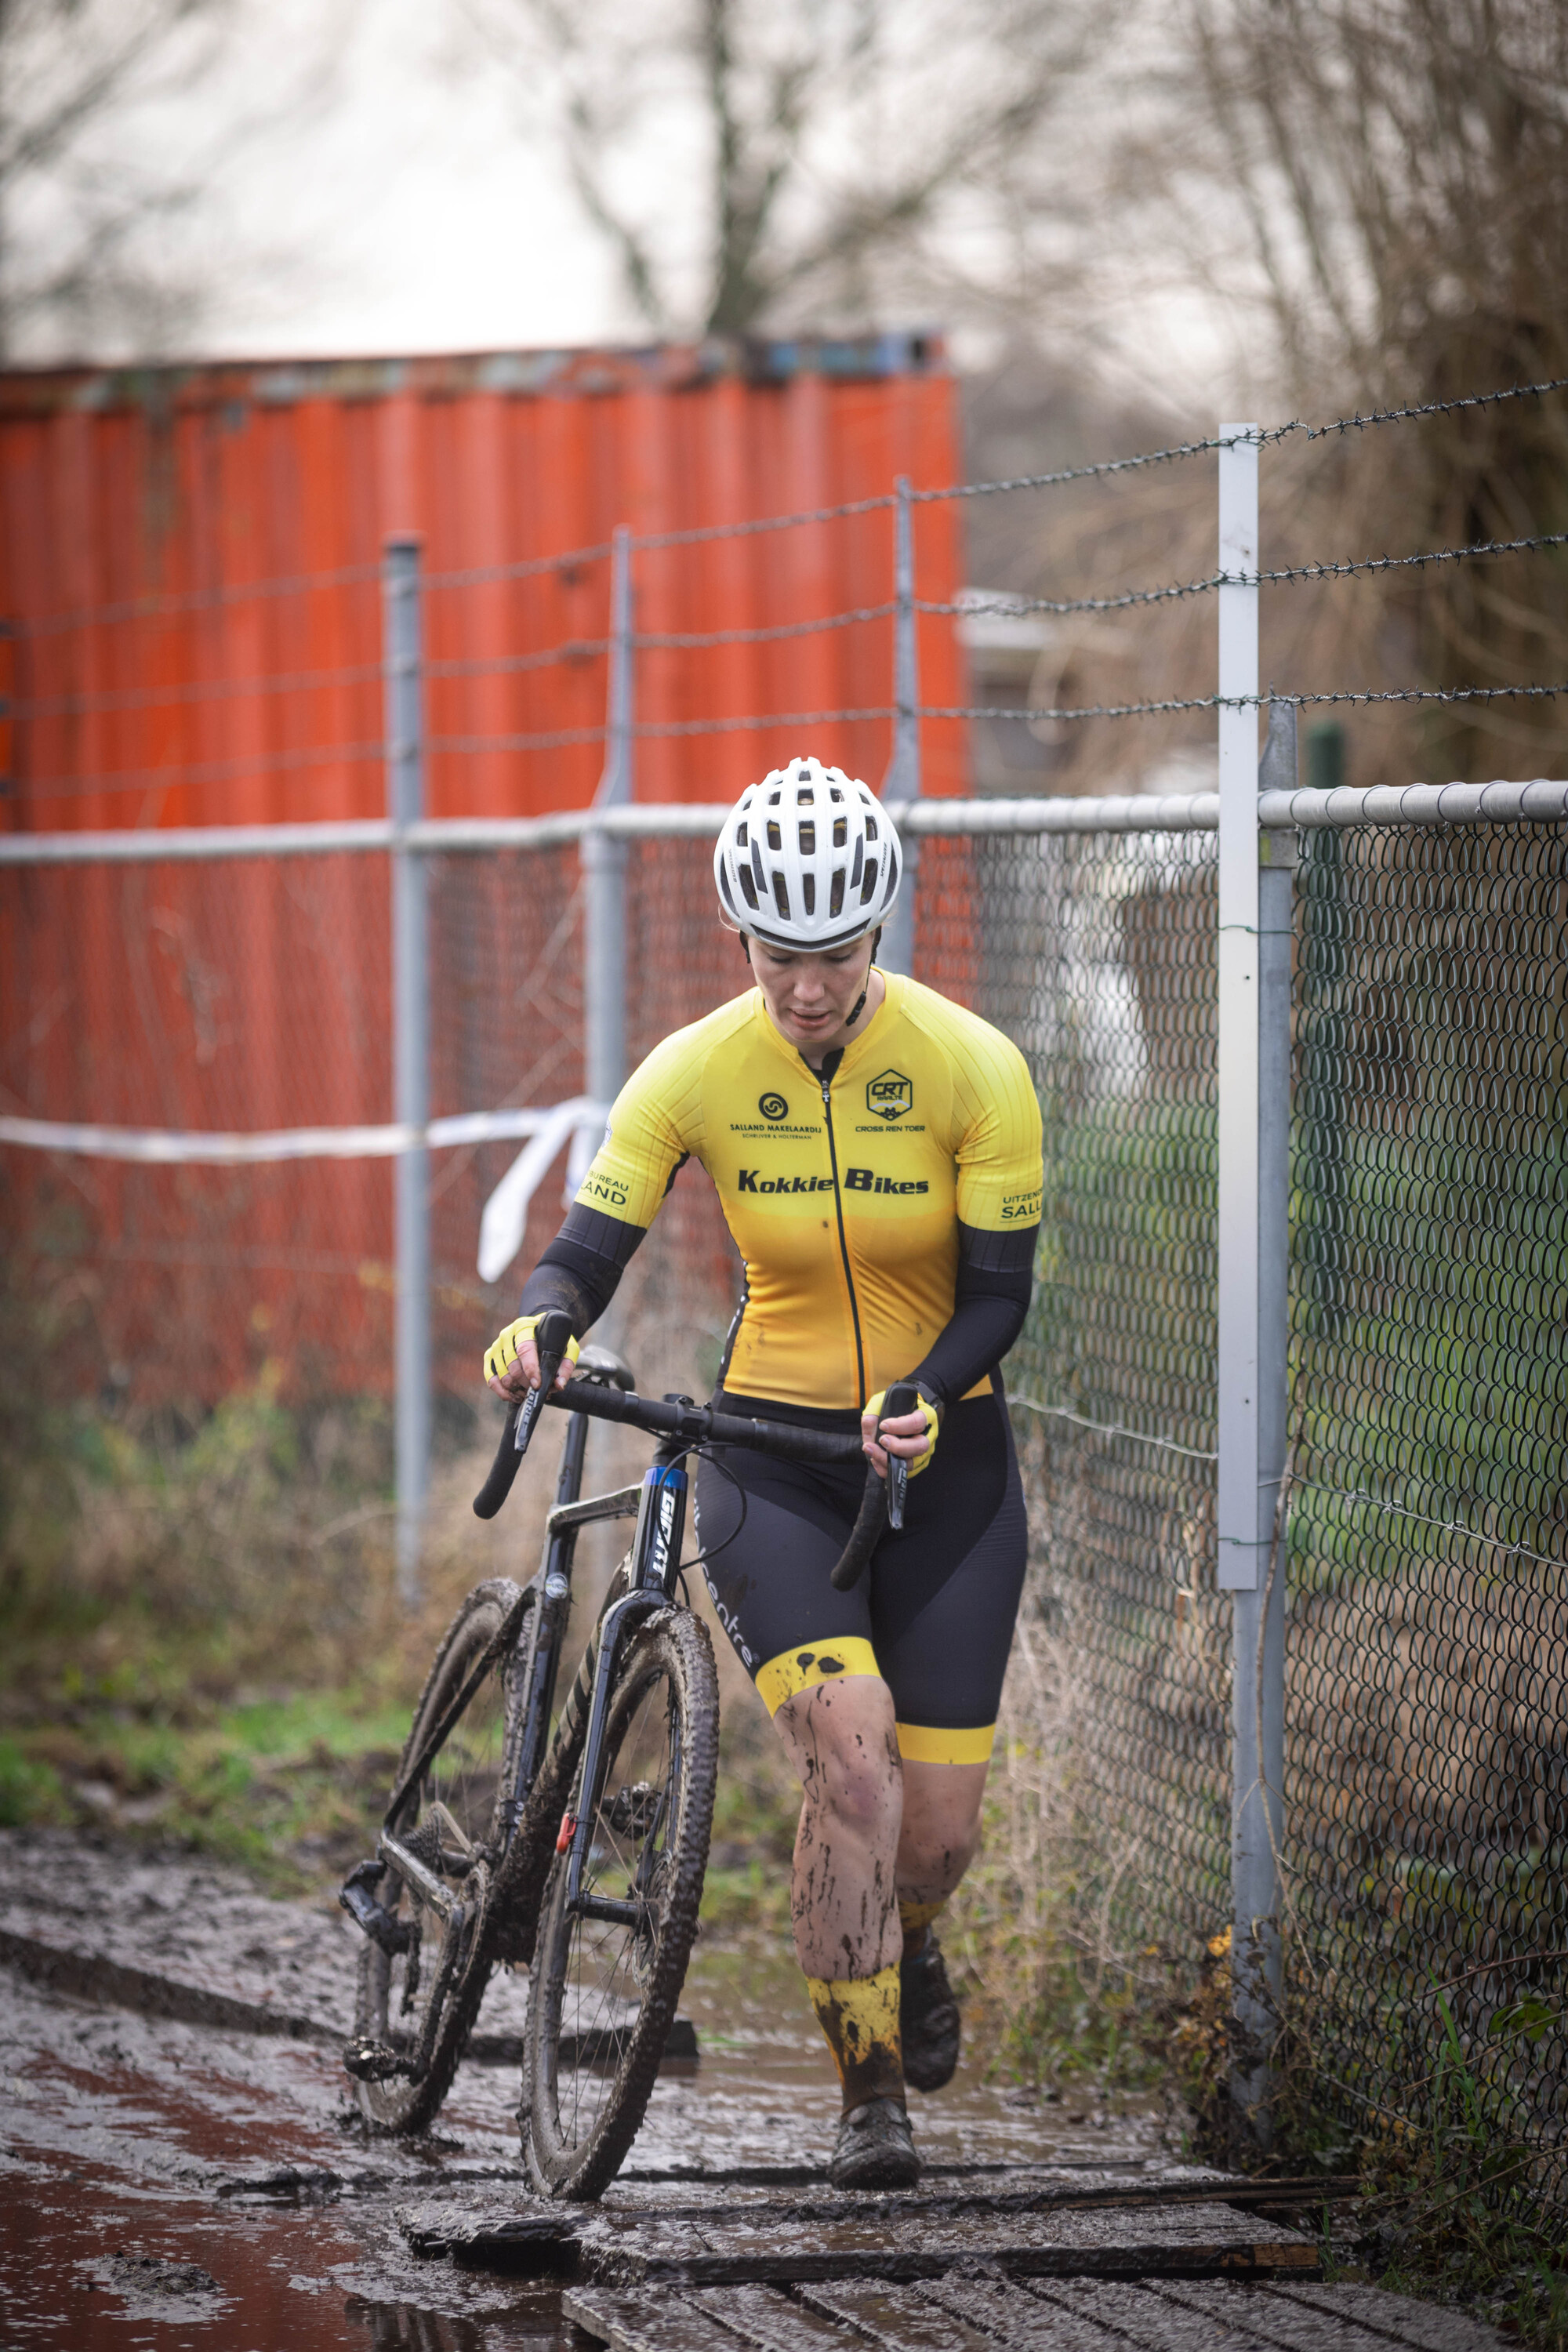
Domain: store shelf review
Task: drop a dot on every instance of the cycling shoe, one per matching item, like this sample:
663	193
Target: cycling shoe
875	2148
928	2018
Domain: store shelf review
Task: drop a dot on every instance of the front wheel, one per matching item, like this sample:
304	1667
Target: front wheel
420	1999
602	1994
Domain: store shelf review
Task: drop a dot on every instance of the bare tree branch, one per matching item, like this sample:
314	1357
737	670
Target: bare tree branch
747	162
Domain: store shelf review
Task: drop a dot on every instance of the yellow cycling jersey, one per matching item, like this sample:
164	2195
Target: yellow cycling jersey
844	1196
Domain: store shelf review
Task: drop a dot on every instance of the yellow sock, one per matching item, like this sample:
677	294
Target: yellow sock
859	2018
914	1918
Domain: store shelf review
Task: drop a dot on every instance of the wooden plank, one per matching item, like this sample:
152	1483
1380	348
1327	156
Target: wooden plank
1010	2313
634	2323
1202	2242
1269	2317
1140	2314
1051	2190
506	2234
769	2320
903	2317
1397	2319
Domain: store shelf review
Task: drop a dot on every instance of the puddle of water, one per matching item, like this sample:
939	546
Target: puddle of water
119	2130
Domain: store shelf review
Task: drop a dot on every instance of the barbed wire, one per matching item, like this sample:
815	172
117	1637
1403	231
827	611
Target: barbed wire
207	772
668	641
559	739
497	665
528	567
1081	473
1007	607
1019	607
152	698
194	600
1248	702
1418	408
658	727
703	532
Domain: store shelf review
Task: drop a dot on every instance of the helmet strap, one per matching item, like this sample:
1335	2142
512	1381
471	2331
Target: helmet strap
859	1006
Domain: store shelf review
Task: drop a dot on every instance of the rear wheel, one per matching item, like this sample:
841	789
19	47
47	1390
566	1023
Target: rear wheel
422	1999
602	1993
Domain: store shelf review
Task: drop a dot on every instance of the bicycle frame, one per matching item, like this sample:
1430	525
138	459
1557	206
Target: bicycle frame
656	1564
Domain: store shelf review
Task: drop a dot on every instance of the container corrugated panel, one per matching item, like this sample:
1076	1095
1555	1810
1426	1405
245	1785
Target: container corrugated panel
191	568
190	564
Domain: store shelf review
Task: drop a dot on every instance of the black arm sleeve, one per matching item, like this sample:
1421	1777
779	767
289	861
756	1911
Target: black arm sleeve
580	1270
991	1298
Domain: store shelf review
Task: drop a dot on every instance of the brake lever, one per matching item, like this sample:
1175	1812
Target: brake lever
901	1399
552	1337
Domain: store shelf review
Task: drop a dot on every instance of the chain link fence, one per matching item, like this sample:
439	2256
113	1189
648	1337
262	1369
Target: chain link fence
1426	1675
1426	1535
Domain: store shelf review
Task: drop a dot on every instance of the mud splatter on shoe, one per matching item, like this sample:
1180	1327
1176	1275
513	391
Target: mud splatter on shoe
928	2018
875	2148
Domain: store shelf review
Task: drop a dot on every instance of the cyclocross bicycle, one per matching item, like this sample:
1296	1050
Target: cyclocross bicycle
580	1853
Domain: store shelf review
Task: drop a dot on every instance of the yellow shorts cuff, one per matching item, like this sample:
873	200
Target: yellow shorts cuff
922	1743
814	1662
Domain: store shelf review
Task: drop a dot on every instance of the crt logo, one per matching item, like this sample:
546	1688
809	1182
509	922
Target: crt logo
890	1095
773	1105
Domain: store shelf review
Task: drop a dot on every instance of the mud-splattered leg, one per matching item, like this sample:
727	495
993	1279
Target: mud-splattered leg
842	1741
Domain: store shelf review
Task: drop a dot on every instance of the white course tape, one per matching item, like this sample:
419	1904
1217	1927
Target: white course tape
173	1147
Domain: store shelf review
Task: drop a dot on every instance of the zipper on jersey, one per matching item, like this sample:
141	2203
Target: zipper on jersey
824	1077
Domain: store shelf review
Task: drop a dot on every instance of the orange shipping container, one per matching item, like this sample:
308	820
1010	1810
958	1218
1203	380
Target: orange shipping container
190	564
190	567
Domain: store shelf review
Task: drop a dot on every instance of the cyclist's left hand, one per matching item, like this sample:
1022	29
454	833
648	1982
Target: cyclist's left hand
913	1435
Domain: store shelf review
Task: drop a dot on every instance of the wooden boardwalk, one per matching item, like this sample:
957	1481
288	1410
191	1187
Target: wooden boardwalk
972	2311
175	2110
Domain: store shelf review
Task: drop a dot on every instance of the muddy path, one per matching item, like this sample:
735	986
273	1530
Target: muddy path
180	2166
180	2160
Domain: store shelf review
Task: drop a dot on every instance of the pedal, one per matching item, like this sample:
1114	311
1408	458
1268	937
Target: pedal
372	2062
381	1925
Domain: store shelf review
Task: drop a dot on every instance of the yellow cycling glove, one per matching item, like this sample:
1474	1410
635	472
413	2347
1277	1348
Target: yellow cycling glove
503	1353
932	1422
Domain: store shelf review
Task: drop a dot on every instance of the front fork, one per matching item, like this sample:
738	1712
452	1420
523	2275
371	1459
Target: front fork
656	1563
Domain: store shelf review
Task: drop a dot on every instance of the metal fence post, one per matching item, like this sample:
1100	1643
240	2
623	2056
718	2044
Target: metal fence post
410	1054
605	859
1258	1805
902	781
1242	1558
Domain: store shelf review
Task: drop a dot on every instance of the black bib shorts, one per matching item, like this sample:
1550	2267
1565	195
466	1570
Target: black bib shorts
932	1615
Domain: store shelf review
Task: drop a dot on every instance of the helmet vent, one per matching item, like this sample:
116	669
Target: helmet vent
835	895
747	887
808	839
775	838
740	836
870	884
808	890
804	774
870	828
781	897
840	830
859	861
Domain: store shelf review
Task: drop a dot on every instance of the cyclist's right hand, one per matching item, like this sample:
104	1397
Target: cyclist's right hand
512	1360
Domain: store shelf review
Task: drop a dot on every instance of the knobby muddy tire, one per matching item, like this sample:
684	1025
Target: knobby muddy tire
575	2135
490	1722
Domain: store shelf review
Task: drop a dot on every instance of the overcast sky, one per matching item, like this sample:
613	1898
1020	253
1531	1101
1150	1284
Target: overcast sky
401	201
411	213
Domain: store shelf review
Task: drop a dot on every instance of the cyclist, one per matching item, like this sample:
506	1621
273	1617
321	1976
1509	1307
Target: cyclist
876	1152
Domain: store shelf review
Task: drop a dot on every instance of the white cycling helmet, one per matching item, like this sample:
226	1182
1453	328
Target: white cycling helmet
807	859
